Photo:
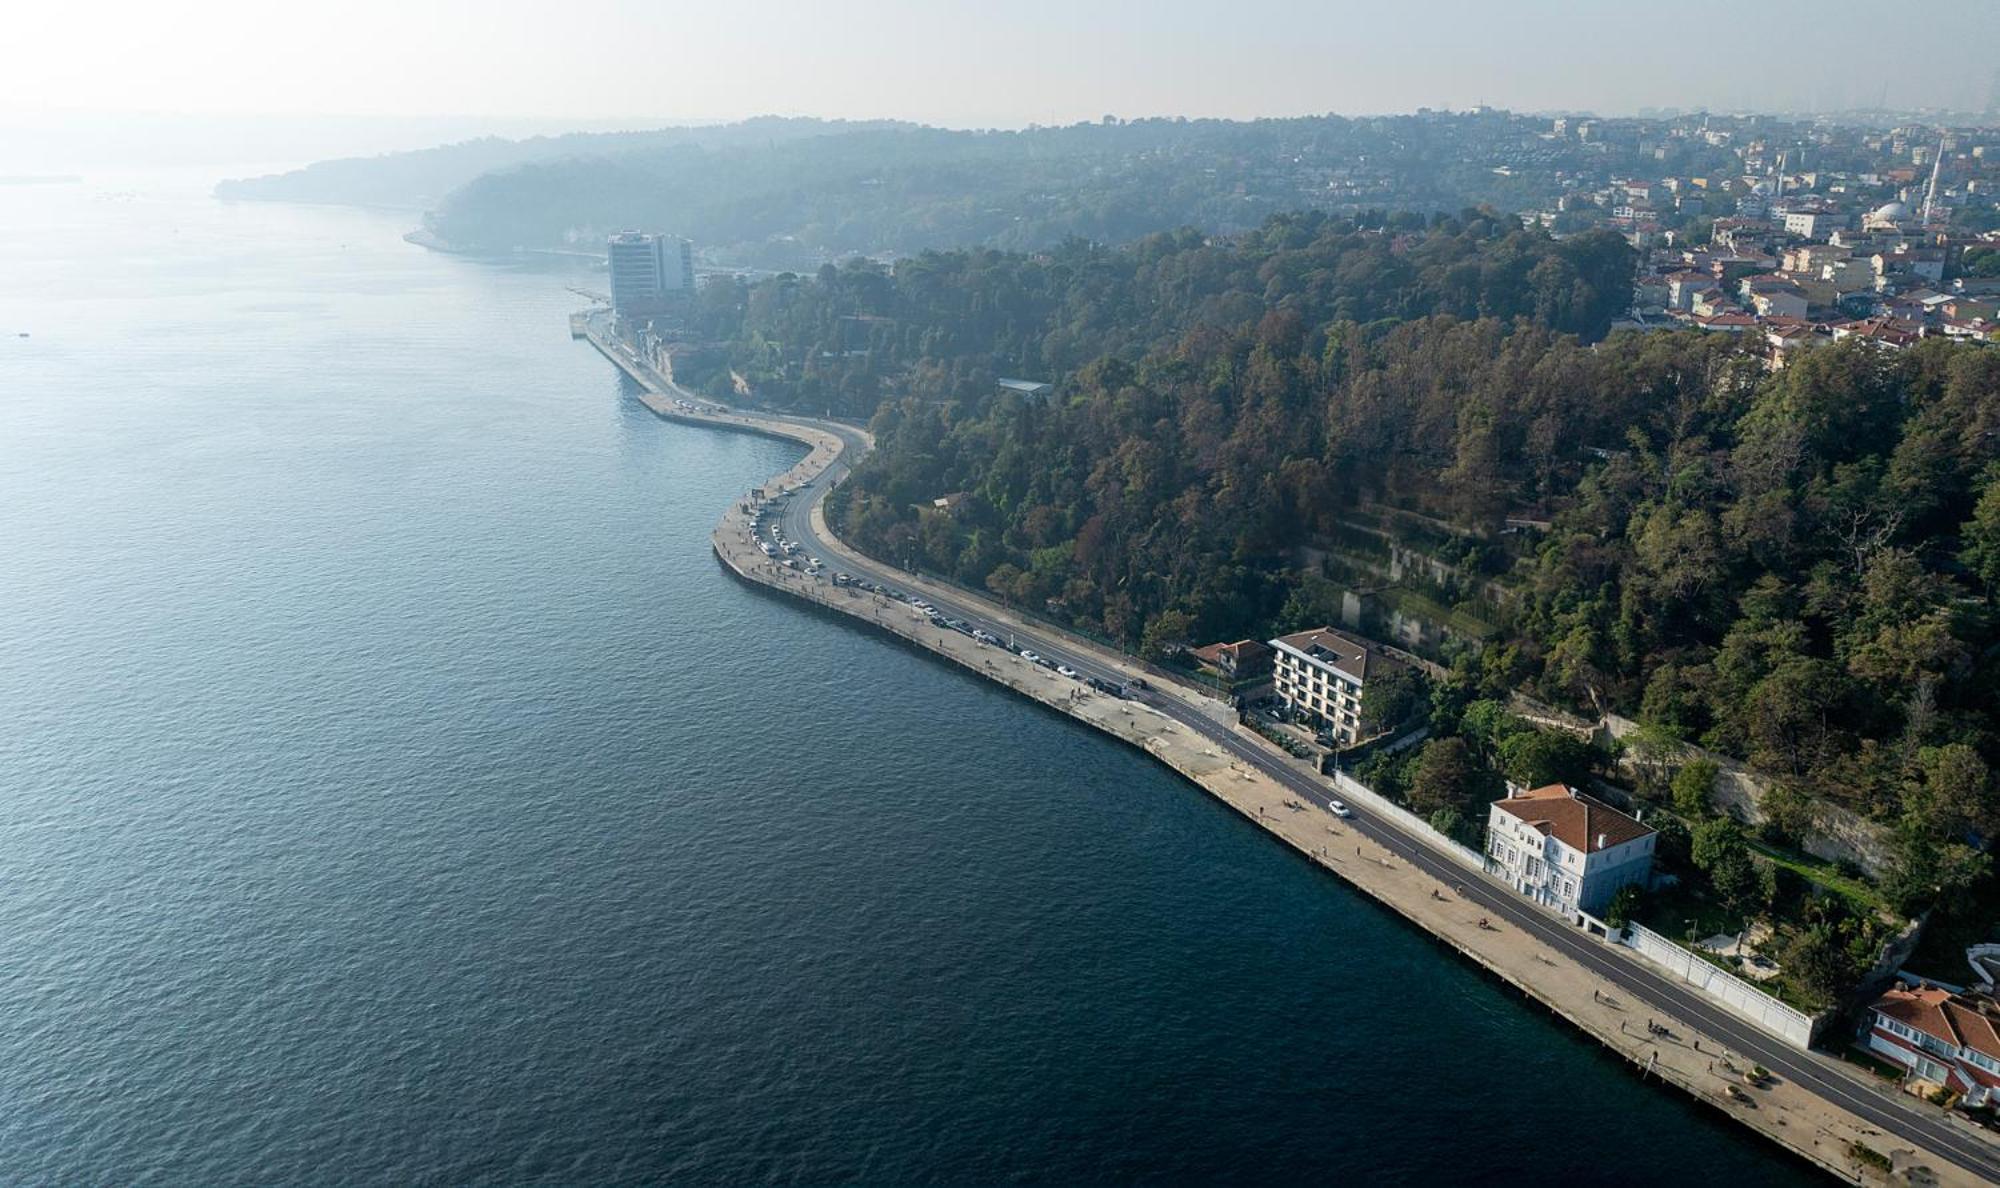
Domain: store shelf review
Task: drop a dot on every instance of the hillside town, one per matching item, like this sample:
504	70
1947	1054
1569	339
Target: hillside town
1800	233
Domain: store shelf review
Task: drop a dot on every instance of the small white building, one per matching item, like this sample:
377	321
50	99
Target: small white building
1566	851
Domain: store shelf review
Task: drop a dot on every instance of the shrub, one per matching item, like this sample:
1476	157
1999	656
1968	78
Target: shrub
1624	906
1868	1156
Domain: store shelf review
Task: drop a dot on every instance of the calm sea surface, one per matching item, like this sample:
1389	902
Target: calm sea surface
393	790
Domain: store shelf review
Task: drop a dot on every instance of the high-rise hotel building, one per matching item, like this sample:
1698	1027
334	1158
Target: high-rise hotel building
649	272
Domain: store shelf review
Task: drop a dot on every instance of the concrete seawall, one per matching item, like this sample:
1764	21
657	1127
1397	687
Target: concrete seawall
1797	1118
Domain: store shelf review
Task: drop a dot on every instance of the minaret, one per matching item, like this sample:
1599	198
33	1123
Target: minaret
1930	194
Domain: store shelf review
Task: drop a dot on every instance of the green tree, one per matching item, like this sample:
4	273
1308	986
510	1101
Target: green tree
1446	777
1733	875
1537	758
1651	750
1624	905
1392	699
1928	872
1693	786
1165	634
1672	844
1713	841
1818	961
1788	814
1486	724
1454	825
1980	535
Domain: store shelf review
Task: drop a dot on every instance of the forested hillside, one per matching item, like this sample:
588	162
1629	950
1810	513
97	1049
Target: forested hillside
418	179
1794	568
795	202
944	325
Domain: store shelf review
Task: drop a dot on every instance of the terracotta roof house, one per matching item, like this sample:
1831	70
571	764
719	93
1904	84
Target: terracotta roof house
1244	659
1949	1039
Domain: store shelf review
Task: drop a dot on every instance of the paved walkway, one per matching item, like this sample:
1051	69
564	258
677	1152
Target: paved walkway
1700	1064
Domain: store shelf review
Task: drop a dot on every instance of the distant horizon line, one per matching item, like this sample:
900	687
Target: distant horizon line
22	121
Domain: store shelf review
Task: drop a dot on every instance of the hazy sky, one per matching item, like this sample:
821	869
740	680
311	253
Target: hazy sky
983	63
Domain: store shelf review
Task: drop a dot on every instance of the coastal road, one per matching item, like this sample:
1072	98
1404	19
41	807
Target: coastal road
1622	976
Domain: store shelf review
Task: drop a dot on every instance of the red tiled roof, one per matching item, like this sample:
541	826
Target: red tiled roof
1242	649
1583	823
1957	1020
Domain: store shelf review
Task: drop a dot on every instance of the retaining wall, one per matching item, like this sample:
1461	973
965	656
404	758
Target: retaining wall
1725	989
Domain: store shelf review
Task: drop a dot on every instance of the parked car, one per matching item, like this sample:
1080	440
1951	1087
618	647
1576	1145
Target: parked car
1030	657
1066	670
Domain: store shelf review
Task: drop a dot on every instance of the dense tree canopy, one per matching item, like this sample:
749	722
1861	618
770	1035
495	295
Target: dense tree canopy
1796	568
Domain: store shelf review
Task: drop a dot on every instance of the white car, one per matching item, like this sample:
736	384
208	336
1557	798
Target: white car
1066	670
1031	658
1339	809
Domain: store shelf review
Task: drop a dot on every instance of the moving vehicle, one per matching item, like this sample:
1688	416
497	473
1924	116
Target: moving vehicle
1339	808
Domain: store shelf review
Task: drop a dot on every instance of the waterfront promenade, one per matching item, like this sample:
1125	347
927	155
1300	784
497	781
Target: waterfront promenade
1813	1106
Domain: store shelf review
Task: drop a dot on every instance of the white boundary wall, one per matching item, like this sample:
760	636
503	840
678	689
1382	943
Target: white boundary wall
1353	789
1723	988
1733	994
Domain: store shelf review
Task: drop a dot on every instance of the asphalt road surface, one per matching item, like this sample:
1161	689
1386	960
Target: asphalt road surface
1502	905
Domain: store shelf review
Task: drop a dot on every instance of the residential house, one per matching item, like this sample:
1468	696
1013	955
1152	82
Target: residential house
1811	258
1728	322
1711	301
1923	264
1566	850
1774	296
1244	660
1684	285
1889	332
1651	292
1813	224
1945	1038
1785	335
1849	276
